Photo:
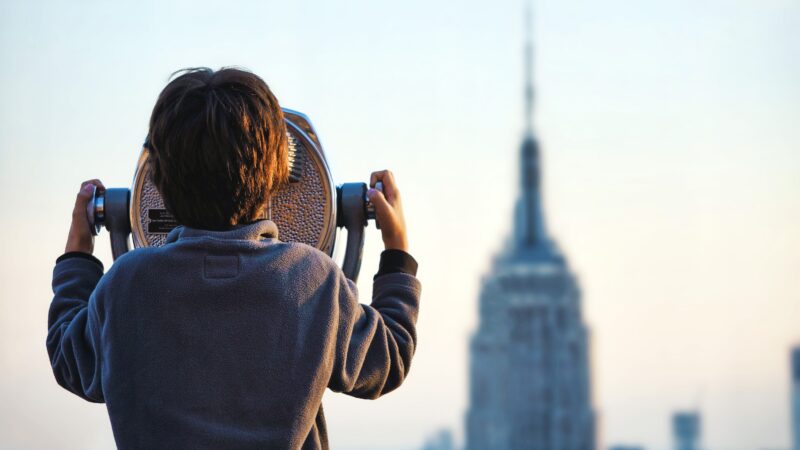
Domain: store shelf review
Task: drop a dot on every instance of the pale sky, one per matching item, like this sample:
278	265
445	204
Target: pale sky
670	138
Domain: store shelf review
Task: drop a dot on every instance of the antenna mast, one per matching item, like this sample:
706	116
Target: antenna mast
528	68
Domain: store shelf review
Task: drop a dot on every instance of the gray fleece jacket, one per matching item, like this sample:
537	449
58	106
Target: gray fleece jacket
226	340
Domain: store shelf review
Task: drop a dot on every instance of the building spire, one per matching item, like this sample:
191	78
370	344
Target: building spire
529	227
528	69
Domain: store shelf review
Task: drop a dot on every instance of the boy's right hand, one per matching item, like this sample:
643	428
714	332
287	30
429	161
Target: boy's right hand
388	210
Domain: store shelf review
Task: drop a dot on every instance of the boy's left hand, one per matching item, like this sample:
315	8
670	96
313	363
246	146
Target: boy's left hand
80	237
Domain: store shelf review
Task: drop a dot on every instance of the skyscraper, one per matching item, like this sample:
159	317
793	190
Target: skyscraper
686	430
796	398
529	369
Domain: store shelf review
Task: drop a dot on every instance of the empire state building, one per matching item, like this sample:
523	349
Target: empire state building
530	382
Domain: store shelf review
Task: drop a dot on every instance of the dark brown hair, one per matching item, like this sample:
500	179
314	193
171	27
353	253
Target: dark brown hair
218	147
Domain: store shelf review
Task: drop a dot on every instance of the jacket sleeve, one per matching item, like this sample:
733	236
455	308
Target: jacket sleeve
73	337
375	343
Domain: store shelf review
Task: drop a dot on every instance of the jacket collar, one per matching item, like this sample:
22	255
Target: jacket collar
261	229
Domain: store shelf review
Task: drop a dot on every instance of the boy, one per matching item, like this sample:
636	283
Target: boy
225	337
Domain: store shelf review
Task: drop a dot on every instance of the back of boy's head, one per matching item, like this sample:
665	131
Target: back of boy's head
218	146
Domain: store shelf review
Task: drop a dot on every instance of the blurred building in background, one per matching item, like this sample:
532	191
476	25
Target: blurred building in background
441	440
686	430
795	368
529	359
625	447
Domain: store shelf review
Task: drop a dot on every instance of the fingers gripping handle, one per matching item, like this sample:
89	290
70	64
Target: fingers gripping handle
95	211
370	208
